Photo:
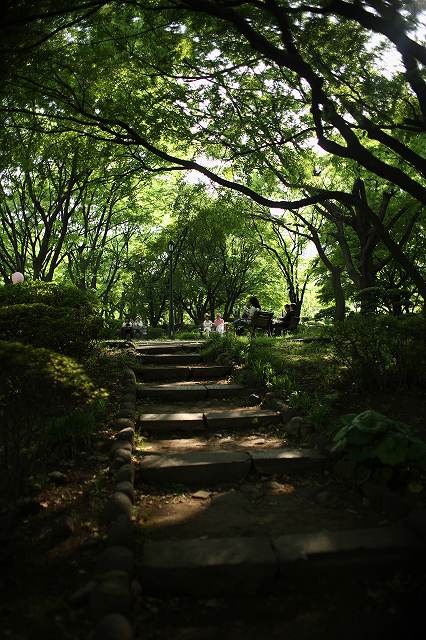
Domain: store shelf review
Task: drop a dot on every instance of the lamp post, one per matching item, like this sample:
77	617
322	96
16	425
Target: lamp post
171	247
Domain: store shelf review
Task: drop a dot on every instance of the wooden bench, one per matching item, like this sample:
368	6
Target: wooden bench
262	320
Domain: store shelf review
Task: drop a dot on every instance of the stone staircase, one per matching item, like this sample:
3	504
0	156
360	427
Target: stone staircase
222	514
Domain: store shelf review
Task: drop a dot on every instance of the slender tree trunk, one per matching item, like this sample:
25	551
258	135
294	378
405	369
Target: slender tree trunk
339	296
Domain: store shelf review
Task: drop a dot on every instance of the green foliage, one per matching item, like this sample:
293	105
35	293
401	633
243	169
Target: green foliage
371	436
105	364
111	329
155	332
57	317
382	352
48	293
68	434
188	334
64	330
36	387
325	314
224	347
263	366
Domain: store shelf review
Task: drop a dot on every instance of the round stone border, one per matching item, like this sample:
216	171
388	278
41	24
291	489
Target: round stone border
113	586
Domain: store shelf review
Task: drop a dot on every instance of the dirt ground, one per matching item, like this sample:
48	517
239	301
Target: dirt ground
276	505
48	545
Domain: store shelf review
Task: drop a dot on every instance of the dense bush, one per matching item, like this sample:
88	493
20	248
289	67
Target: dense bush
382	352
37	386
156	332
107	362
111	329
57	317
49	293
64	330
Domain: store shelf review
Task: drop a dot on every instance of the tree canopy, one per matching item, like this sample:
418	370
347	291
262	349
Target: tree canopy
313	112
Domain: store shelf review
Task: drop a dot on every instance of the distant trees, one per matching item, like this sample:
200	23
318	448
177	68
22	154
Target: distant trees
246	93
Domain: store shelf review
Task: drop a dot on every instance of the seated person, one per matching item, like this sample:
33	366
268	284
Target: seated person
207	325
284	323
127	328
138	328
249	310
219	324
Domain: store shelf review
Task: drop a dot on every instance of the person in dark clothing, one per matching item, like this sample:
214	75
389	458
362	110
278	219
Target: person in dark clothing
284	323
253	305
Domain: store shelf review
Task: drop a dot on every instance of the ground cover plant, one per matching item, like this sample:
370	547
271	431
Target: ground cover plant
364	363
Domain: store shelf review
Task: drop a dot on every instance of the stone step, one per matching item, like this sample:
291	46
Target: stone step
244	418
252	565
220	391
162	359
182	372
211	420
169	347
160	423
209	468
186	392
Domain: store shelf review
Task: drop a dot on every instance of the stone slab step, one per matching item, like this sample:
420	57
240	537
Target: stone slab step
207	372
271	461
181	372
207	421
168	347
240	418
250	565
162	359
225	390
172	391
210	467
159	423
195	468
185	392
208	567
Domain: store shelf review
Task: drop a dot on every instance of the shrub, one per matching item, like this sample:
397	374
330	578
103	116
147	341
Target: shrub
373	439
66	435
106	364
188	334
382	352
155	332
36	387
226	346
49	293
45	314
263	366
111	329
62	329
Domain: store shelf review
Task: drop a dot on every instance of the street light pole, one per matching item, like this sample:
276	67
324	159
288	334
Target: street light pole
171	247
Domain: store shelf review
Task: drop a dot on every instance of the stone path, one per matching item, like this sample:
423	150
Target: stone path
225	506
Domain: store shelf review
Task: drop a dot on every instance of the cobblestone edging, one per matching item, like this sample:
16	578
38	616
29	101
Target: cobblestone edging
114	584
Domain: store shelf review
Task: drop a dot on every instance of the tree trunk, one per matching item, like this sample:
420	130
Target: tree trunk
339	296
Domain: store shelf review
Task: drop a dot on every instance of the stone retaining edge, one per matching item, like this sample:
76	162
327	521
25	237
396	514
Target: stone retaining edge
114	582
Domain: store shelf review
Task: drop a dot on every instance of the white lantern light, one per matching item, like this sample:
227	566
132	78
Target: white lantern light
17	277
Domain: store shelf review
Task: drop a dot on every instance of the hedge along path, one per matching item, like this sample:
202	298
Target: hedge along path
224	507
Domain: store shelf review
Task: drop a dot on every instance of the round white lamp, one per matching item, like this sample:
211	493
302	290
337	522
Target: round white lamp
17	277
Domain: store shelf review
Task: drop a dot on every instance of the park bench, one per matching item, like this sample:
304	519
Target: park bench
261	321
